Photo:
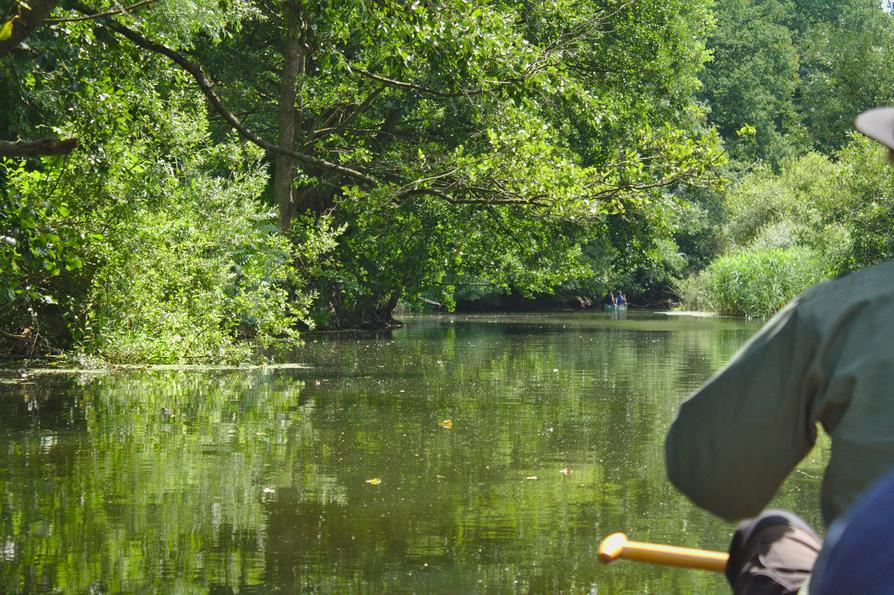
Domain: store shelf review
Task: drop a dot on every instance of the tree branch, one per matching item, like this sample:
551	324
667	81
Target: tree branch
420	88
207	88
37	148
27	21
357	109
122	10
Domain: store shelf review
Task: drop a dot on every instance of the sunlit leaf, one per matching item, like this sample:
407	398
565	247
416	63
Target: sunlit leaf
6	31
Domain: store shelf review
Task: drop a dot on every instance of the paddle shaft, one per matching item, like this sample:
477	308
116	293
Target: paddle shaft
617	546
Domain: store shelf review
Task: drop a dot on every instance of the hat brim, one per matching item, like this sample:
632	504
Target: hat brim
877	124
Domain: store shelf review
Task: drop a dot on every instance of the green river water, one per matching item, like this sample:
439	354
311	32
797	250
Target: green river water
340	477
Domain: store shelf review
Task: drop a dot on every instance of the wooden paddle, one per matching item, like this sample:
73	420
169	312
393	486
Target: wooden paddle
617	546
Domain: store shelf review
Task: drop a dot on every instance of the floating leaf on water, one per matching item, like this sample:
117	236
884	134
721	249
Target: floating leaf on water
531	477
447	423
566	471
374	481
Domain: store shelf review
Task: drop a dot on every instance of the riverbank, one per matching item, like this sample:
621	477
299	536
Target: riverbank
10	373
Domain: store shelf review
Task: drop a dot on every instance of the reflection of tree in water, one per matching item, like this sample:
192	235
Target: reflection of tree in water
161	482
597	397
234	479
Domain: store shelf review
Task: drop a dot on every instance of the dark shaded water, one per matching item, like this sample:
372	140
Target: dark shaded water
342	477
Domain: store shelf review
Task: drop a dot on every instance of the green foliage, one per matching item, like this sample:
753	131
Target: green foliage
835	211
188	277
636	251
790	75
838	206
184	274
6	30
865	209
149	242
502	136
847	69
36	245
696	225
766	210
754	284
751	82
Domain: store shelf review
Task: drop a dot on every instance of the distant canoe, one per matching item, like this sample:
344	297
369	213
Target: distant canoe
614	307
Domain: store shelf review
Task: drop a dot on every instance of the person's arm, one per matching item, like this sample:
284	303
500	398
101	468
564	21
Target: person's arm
736	438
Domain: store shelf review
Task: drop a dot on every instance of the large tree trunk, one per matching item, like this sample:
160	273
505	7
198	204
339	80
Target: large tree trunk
289	125
370	313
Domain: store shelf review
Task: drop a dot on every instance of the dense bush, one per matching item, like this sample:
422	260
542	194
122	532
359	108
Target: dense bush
865	205
770	209
835	210
754	284
191	269
191	276
151	242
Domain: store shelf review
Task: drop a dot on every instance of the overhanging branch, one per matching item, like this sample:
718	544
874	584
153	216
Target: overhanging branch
121	10
208	90
37	148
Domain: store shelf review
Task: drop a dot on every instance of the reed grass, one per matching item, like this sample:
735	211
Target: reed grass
754	283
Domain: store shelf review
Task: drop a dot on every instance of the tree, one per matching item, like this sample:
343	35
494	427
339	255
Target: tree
751	82
440	142
149	241
790	75
522	120
846	70
14	29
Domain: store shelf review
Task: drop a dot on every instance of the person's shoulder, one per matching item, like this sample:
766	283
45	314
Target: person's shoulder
870	283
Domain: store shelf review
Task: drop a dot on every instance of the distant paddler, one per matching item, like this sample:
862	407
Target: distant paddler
608	302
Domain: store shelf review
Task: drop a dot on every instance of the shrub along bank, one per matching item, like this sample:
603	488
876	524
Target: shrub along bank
816	218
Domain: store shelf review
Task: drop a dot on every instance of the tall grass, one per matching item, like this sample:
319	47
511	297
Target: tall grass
755	283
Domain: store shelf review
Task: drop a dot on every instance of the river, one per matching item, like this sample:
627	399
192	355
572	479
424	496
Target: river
485	453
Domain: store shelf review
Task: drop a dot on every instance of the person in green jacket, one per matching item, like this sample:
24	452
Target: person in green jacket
827	358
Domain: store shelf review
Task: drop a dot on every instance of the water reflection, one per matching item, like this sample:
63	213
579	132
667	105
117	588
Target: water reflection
259	480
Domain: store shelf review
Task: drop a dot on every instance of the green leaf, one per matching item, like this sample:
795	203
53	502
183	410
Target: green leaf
6	31
73	263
